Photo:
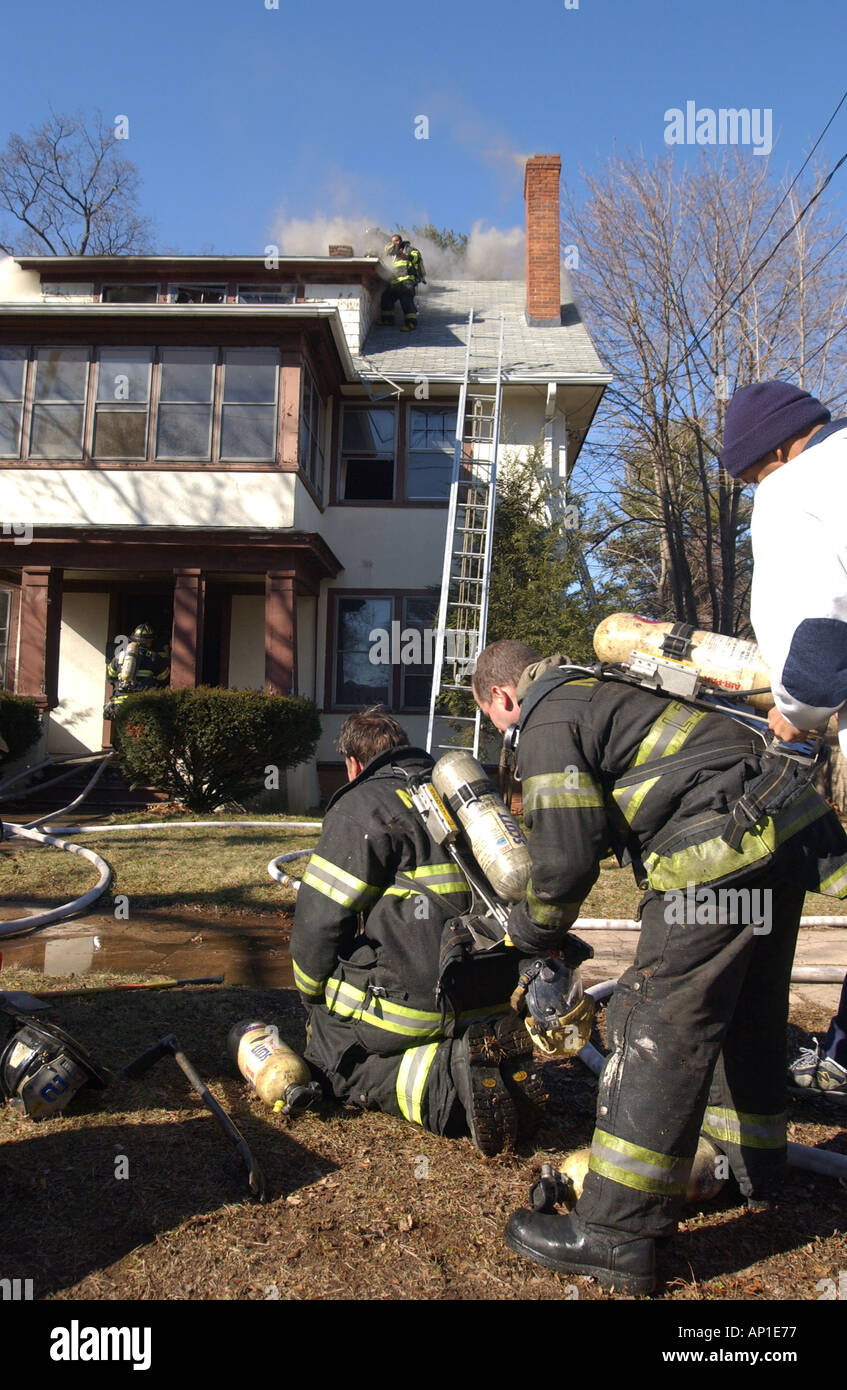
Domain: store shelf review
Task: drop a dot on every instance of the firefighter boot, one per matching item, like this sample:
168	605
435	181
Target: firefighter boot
617	1260
519	1071
489	1109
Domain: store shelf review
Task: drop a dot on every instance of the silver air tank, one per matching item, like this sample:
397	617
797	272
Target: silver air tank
496	840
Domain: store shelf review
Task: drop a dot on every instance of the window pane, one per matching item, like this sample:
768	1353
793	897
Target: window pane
61	374
120	434
5	607
358	679
12	367
368	480
187	374
428	476
250	374
124	374
247	432
57	432
416	679
130	294
197	294
368	431
185	432
10	428
276	294
433	429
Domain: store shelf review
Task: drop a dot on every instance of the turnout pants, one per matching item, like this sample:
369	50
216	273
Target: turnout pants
406	296
415	1084
697	1032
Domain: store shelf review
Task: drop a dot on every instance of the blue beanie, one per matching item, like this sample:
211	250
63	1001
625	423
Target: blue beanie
761	417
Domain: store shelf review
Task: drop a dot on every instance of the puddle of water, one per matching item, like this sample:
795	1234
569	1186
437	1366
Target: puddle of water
249	954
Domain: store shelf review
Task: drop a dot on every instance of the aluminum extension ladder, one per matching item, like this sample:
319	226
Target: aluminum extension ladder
466	573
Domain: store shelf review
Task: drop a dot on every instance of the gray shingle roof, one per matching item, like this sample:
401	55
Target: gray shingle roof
437	347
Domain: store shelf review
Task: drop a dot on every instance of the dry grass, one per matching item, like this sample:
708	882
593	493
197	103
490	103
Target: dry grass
361	1206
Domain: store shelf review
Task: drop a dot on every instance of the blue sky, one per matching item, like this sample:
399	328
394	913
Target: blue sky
240	114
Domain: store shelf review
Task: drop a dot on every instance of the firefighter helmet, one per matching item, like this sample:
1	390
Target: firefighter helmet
143	632
42	1068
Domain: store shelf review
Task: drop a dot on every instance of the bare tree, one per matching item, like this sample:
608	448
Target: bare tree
71	191
694	282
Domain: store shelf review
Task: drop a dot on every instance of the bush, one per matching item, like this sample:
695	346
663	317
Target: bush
20	725
206	746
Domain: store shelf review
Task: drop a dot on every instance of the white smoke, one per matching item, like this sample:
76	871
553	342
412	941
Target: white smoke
492	253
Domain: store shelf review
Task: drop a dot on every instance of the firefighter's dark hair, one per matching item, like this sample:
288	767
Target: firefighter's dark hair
501	663
368	733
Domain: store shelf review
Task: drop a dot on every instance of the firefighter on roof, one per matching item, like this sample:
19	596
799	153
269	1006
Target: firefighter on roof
407	273
697	1024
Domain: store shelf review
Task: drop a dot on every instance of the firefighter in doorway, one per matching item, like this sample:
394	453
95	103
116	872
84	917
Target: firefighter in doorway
134	666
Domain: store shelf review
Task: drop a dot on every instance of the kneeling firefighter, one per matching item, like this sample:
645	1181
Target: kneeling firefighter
403	969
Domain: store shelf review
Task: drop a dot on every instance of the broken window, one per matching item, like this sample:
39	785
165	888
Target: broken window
367	454
429	461
197	294
185	403
12	381
122	404
61	377
248	420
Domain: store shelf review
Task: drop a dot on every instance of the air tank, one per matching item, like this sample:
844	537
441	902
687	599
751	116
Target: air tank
496	840
730	662
278	1075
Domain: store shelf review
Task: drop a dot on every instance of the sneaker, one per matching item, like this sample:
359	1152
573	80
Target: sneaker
814	1073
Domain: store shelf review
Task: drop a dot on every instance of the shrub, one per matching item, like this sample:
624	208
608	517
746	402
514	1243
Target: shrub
20	725
206	746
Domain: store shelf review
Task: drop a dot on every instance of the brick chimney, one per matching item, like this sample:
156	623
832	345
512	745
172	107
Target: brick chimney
541	191
336	250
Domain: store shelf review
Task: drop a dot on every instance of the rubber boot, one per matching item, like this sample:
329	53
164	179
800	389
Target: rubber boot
489	1109
617	1261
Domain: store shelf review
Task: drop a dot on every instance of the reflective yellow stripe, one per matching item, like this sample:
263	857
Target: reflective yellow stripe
835	884
554	790
669	732
337	884
748	1131
412	1079
345	1001
714	858
548	914
305	983
629	799
632	1165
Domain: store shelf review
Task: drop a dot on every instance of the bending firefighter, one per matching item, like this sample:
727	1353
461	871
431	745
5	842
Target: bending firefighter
401	1019
726	838
134	667
407	273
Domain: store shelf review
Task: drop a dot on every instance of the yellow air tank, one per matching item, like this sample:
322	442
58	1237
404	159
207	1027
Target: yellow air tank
279	1077
730	662
703	1182
496	840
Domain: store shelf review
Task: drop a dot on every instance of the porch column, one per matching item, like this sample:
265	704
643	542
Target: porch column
41	620
280	632
187	635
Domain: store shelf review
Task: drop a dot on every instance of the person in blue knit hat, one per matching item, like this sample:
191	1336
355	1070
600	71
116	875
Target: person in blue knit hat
785	440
